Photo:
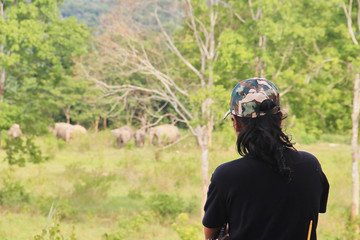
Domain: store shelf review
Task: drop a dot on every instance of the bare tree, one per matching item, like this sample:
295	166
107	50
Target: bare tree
127	53
355	114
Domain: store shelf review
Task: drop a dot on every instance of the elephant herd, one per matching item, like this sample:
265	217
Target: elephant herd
158	135
61	130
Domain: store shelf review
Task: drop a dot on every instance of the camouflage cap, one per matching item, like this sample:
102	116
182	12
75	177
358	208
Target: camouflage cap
247	96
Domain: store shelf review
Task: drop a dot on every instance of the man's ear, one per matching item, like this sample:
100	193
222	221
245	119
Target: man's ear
236	124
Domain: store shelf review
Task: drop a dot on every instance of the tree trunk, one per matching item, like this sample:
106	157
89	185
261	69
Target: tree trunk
202	140
105	123
210	128
205	175
354	149
96	126
66	111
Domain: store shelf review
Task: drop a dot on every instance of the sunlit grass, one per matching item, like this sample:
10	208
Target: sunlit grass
101	189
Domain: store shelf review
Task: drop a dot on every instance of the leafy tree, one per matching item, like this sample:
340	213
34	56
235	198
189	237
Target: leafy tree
291	44
37	48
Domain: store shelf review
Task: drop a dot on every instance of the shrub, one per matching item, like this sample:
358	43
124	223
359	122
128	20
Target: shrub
52	228
185	230
166	205
115	236
18	152
92	188
135	194
53	232
12	192
135	225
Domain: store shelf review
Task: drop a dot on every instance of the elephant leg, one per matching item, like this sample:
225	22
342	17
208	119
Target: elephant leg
67	136
120	142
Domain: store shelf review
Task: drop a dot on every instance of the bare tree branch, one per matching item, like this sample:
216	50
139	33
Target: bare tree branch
176	51
251	10
316	47
349	21
283	92
283	58
232	11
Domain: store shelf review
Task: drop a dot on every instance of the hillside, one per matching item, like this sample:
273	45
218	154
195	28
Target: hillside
140	11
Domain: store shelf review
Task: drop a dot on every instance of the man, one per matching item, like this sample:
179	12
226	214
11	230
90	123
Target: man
273	192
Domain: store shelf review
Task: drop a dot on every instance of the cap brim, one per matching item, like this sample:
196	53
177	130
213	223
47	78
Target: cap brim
226	114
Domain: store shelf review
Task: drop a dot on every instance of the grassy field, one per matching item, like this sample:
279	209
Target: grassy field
101	192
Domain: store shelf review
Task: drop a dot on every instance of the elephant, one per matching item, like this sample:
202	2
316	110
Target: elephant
164	133
139	137
66	131
15	131
75	129
123	135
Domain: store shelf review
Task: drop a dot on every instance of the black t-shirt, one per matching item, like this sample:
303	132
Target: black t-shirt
259	204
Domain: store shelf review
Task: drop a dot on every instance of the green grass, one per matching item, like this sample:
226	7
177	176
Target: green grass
100	189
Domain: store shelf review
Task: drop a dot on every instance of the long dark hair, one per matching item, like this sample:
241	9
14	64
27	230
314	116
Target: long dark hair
262	137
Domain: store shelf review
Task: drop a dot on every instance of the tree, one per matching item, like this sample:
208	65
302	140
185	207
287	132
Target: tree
355	66
291	44
192	98
37	48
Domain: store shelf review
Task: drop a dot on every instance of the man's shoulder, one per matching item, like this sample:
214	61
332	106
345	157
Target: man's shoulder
238	166
303	157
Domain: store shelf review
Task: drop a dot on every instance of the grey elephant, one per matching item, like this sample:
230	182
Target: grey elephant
164	133
66	131
139	137
15	131
123	135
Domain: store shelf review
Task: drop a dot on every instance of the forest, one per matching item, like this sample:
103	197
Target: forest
105	64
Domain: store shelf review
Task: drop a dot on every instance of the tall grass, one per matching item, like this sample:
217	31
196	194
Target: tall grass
103	192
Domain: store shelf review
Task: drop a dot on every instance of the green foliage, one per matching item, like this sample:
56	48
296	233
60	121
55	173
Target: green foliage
125	212
20	151
185	230
135	194
136	224
91	188
351	227
12	192
115	236
304	134
217	95
9	115
53	232
38	50
65	208
166	205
